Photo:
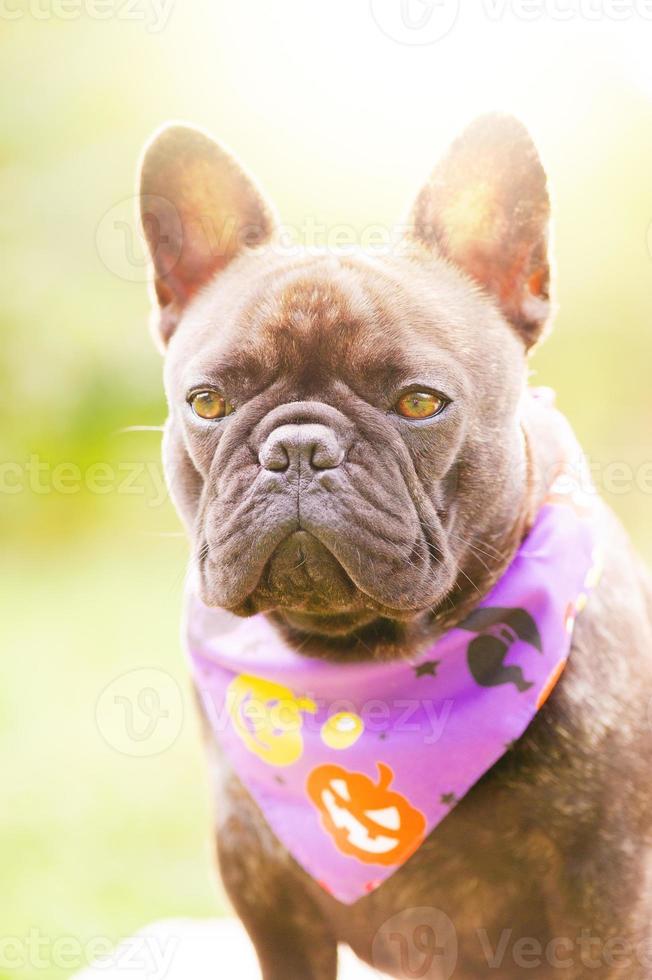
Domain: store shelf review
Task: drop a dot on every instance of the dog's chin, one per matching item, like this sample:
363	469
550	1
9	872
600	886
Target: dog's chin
325	624
304	584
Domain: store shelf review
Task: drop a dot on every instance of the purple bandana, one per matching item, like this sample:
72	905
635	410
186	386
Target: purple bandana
353	765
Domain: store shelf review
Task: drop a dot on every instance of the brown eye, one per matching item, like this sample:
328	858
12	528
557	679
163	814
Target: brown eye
420	405
210	404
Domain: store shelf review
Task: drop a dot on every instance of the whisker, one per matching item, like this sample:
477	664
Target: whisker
477	554
475	548
470	580
360	640
138	428
489	554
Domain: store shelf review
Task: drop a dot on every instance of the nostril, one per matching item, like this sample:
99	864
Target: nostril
274	456
326	455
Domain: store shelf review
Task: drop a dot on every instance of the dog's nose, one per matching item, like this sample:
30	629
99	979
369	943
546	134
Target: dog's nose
307	446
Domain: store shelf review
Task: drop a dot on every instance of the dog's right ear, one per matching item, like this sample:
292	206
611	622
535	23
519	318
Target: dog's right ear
199	209
486	209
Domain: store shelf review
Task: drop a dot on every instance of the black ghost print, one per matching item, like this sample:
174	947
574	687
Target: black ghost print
499	629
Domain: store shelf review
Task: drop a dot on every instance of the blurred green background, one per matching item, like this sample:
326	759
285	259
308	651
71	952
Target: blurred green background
101	833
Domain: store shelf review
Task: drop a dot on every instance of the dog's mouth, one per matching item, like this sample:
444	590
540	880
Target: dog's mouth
312	598
305	585
323	581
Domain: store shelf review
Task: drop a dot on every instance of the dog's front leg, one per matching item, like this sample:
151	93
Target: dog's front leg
291	937
289	949
286	928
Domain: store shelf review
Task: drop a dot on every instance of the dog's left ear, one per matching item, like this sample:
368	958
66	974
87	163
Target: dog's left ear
486	209
199	210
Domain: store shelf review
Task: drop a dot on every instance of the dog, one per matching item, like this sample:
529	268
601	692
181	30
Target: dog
351	449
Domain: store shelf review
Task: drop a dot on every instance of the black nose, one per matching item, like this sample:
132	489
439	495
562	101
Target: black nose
308	446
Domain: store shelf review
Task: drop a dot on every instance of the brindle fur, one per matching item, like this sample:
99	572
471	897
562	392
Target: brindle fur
553	843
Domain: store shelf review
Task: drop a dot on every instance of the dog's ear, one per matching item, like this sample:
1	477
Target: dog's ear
486	209
199	209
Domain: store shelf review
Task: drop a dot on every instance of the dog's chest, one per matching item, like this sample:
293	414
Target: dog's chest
478	872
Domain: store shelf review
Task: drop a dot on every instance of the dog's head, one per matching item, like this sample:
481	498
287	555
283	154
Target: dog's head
344	439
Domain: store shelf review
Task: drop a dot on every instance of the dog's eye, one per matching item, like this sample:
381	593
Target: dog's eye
210	404
420	405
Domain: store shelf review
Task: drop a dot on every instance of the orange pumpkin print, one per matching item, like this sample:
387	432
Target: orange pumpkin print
366	820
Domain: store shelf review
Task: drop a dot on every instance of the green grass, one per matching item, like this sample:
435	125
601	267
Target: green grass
95	842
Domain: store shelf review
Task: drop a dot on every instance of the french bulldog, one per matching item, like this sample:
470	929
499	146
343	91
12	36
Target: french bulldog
347	448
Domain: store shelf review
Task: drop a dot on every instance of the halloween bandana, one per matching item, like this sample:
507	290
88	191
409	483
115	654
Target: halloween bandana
353	765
